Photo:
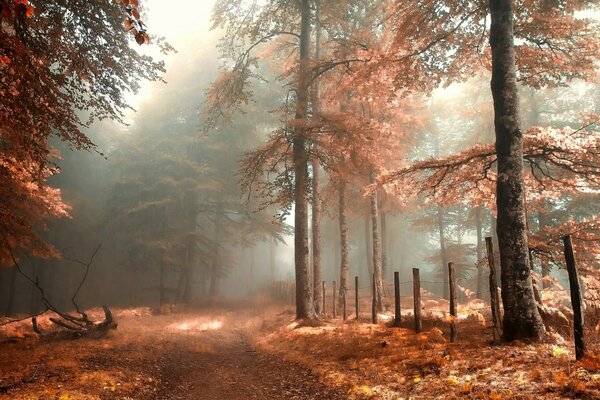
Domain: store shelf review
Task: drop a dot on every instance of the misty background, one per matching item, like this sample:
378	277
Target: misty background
164	201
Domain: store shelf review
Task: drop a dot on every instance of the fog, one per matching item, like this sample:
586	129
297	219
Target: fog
164	201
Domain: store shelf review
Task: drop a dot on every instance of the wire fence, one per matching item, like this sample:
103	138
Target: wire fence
344	301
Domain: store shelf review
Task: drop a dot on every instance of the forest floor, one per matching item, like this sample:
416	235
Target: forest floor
194	355
235	353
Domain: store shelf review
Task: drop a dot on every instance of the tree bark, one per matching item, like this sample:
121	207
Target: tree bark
368	249
376	250
384	247
444	256
479	228
546	268
304	295
521	317
345	261
316	205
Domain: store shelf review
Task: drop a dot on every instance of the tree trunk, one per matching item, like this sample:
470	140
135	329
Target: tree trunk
479	228
316	206
316	239
368	249
304	296
345	261
376	250
384	247
521	317
444	256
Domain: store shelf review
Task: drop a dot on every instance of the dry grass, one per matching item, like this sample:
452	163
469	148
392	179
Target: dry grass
381	362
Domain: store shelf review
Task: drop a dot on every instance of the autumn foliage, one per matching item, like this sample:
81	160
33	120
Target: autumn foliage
54	82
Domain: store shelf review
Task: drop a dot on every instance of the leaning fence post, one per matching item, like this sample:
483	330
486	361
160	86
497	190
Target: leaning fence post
452	279
576	298
494	298
397	314
356	295
417	299
373	304
334	305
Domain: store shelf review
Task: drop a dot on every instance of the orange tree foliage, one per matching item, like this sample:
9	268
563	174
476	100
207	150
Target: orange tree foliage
63	65
558	162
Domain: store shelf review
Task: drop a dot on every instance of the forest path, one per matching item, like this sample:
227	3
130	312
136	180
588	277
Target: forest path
199	355
213	359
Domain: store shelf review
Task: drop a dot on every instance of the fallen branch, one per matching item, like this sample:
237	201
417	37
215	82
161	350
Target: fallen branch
79	325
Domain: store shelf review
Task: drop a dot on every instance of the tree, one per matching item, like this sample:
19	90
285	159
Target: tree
443	43
521	316
274	19
55	81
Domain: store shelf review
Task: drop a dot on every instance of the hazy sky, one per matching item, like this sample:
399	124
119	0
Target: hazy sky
185	25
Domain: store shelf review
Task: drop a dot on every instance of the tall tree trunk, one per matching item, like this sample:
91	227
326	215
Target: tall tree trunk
443	253
345	261
304	295
376	250
369	249
521	317
384	247
316	239
316	206
479	228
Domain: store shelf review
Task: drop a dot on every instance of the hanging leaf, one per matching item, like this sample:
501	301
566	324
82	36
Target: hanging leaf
128	24
141	38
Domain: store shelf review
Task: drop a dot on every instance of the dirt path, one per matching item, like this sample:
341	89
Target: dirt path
229	368
192	356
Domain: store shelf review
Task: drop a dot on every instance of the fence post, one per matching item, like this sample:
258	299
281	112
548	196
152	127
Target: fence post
398	314
373	305
417	298
452	279
344	305
494	298
356	295
576	298
334	305
324	309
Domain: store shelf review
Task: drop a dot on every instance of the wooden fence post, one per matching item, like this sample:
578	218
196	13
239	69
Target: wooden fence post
344	305
494	298
452	279
576	298
334	305
417	299
373	304
324	310
397	314
356	295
